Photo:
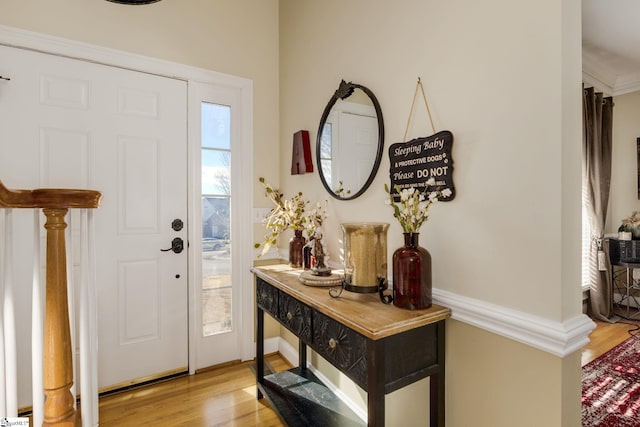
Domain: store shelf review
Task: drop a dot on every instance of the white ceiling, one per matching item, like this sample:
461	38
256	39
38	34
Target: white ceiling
611	45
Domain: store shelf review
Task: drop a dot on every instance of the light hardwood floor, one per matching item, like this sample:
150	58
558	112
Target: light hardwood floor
604	337
226	396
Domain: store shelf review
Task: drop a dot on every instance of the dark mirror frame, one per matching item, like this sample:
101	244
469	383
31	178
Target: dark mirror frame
344	91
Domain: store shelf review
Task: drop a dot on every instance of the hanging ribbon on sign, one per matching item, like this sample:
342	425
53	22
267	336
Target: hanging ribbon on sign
413	163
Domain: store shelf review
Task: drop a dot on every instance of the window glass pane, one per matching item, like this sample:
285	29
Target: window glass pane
325	142
216	265
326	153
216	172
216	126
326	171
216	219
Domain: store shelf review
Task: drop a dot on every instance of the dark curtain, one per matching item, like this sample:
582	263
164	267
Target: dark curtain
596	169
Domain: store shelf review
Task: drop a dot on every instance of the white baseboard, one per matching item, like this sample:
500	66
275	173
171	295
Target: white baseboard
291	354
287	351
557	338
271	345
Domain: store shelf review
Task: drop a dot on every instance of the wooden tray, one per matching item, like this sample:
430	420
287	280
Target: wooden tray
309	279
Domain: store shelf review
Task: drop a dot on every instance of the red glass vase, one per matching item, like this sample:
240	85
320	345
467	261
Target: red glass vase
412	275
296	244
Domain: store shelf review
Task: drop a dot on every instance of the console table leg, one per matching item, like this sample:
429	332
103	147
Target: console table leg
259	350
375	384
436	384
302	355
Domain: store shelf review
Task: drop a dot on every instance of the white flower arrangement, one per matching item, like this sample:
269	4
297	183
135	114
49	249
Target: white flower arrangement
413	208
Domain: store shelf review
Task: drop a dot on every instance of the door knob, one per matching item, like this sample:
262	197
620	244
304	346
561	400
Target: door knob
177	246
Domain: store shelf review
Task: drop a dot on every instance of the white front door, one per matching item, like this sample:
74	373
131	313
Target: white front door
76	124
142	166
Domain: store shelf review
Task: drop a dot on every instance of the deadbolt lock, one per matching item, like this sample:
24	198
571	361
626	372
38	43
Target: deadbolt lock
177	224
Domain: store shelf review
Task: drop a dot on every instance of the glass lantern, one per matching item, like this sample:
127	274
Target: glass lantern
365	258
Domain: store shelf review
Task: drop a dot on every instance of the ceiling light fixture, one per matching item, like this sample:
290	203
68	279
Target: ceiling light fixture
134	1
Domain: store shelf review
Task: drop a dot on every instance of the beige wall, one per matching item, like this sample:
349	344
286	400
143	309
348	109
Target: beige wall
504	77
500	75
493	381
501	101
624	175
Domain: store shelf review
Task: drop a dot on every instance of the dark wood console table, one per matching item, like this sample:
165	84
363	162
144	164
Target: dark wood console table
380	347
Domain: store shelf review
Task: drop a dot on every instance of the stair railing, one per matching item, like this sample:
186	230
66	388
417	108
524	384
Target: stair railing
57	375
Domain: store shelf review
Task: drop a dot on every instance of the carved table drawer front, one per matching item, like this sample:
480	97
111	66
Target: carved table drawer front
296	316
343	347
267	297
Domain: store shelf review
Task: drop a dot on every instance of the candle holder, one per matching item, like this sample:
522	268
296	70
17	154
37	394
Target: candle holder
365	260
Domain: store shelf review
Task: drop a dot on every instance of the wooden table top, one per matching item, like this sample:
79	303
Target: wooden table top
364	313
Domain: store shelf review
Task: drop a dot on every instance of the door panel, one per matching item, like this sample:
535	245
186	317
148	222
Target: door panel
70	123
138	187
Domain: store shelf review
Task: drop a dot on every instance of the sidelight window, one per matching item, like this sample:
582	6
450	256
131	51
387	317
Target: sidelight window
216	219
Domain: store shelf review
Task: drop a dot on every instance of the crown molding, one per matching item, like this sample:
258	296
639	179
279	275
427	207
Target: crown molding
603	78
589	80
626	84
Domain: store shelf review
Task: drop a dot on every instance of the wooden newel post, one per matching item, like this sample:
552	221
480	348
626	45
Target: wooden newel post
57	359
58	366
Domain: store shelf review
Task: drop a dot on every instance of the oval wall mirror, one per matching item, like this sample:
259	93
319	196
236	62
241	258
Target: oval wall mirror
350	141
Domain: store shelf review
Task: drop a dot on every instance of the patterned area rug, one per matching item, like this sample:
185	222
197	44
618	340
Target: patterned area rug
611	387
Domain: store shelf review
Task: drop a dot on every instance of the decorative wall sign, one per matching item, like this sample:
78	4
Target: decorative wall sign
412	163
